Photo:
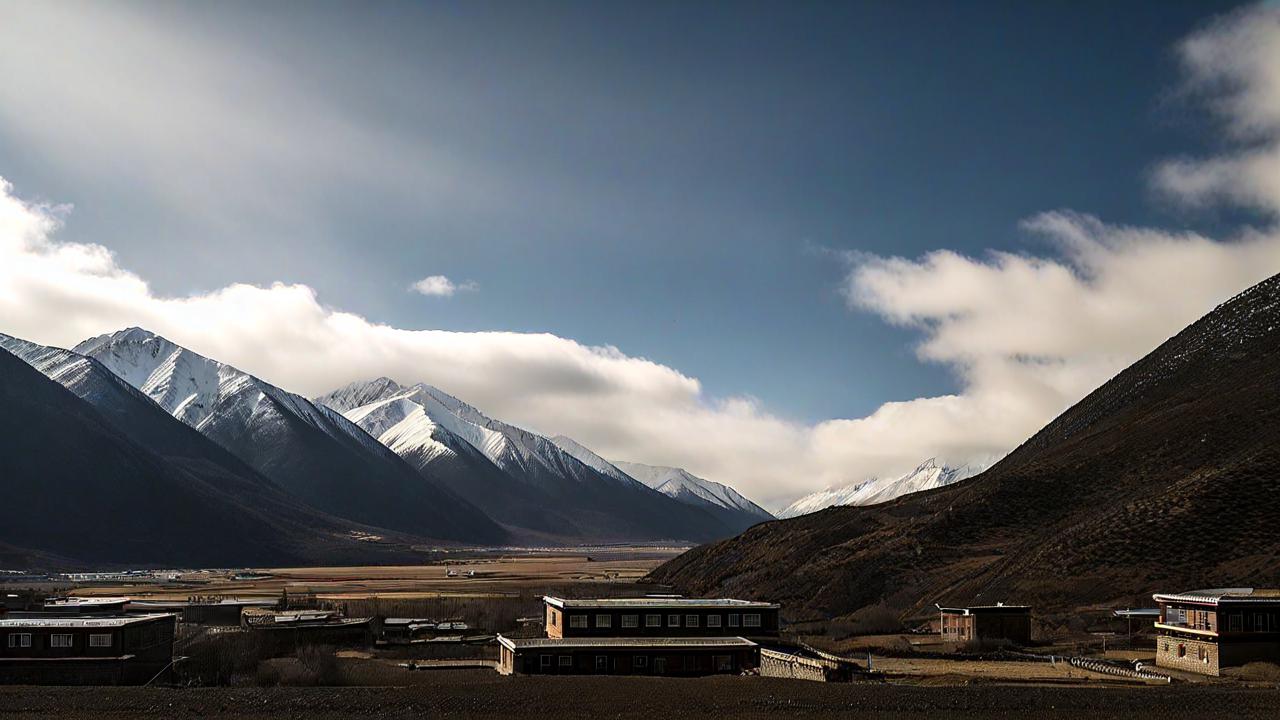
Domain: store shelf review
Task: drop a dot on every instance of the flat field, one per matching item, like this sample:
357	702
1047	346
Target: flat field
481	575
479	693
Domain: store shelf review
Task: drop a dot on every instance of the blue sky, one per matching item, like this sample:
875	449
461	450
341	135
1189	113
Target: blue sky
696	184
700	157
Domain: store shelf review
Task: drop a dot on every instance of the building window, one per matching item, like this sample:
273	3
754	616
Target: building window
691	621
555	618
673	621
604	621
544	660
733	620
577	621
60	640
713	621
751	620
653	621
1259	623
639	661
100	640
1236	622
566	661
630	621
17	640
1182	650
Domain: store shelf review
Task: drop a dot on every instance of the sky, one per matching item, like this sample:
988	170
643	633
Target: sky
784	245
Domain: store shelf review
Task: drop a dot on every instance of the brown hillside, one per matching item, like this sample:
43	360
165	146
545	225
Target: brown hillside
1167	477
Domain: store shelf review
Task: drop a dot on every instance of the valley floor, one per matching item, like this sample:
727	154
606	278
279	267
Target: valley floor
480	693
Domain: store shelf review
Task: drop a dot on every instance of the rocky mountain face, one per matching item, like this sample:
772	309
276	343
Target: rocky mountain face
94	472
525	480
1164	478
308	450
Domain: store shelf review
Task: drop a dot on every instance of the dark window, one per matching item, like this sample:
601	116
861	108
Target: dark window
544	660
566	661
673	621
639	661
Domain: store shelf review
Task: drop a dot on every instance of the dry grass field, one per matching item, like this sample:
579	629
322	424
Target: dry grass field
479	576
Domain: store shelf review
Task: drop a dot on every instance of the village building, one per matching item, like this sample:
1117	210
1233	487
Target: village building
986	623
671	656
85	649
1204	631
212	611
86	605
659	617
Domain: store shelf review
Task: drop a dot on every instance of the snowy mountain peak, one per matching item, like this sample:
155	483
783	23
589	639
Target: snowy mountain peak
927	475
361	392
592	460
679	483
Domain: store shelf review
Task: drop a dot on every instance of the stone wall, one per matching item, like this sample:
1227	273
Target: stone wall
786	665
1197	656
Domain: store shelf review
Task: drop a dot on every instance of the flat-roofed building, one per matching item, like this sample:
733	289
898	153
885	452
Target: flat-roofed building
85	650
86	605
1204	631
659	617
627	655
986	623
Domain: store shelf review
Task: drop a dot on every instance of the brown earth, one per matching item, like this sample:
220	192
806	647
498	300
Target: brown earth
1166	478
486	694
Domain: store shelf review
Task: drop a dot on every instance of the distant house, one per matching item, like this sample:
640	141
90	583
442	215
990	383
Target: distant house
85	650
986	623
660	617
224	612
627	655
1204	631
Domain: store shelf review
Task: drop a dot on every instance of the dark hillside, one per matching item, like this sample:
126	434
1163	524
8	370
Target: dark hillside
1164	478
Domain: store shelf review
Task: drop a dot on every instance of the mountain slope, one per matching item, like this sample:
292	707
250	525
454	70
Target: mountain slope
311	452
555	492
1164	478
77	486
927	476
720	500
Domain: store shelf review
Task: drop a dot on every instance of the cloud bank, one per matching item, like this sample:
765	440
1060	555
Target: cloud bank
441	286
1025	335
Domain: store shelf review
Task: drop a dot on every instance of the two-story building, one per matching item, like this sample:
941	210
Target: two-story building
643	636
660	617
85	649
1204	631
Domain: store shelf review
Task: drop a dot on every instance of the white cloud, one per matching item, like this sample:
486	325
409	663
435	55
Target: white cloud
441	286
1025	335
1235	65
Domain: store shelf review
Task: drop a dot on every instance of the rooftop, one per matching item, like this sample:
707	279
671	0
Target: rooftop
628	642
84	601
658	602
79	622
1216	596
977	609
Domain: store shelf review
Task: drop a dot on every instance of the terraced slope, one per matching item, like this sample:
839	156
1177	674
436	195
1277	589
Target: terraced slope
1166	477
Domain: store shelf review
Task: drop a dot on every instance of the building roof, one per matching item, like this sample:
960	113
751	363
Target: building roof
1218	596
222	602
84	601
627	642
979	609
656	603
97	621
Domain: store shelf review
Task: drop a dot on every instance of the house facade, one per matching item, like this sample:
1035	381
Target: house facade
677	656
986	623
85	650
659	617
1205	631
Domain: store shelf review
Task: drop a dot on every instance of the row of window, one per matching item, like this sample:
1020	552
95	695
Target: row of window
60	640
719	662
603	620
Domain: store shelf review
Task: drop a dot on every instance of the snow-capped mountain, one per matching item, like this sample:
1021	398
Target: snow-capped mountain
556	492
688	488
309	450
927	476
117	465
592	460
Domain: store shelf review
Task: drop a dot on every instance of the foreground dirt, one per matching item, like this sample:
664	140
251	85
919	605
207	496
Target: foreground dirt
485	694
